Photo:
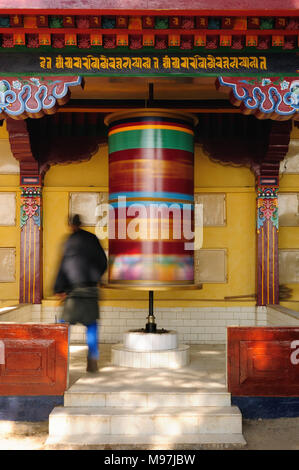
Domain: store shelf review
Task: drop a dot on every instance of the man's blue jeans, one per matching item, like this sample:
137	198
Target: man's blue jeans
92	336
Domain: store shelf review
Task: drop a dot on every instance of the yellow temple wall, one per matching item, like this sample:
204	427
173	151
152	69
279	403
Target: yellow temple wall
289	236
237	236
9	234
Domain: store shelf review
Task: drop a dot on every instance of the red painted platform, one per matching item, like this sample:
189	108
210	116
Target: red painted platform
35	359
263	361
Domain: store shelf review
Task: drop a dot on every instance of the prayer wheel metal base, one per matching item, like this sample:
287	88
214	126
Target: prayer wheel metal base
151	326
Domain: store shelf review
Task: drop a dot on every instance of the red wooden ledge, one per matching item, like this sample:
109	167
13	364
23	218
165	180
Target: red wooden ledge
263	361
35	359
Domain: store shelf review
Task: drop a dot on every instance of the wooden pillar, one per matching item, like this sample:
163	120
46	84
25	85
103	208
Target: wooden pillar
30	213
267	241
267	214
31	240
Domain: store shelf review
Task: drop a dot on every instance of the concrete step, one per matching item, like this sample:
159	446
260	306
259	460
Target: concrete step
147	422
157	441
77	398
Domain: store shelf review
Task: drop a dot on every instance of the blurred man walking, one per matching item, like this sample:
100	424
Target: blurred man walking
83	263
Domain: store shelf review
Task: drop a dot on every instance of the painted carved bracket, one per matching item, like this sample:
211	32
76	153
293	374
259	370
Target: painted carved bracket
20	145
34	96
266	98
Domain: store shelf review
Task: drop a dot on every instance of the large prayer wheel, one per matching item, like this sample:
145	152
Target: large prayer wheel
151	197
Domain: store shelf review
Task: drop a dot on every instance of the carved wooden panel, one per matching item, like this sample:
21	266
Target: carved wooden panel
214	210
263	361
288	209
35	359
288	266
210	265
86	205
7	264
7	208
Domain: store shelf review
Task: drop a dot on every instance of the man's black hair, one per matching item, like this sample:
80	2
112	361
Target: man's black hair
75	220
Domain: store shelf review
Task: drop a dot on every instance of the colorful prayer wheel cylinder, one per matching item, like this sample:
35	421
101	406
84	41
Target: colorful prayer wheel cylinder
151	197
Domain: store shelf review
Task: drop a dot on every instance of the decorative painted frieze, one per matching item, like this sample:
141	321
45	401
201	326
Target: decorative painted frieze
266	32
30	205
26	96
271	97
267	206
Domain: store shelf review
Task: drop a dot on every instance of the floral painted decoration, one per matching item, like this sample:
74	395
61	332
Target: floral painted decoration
30	205
32	40
267	205
108	22
214	23
58	41
4	22
83	22
267	23
109	42
272	97
56	22
83	41
187	22
161	22
7	41
135	42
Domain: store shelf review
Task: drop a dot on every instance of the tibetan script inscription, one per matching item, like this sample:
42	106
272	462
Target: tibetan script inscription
163	63
148	63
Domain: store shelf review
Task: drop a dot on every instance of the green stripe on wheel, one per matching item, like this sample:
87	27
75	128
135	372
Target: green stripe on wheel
151	138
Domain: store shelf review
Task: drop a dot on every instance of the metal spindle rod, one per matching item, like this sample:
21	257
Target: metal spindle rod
151	325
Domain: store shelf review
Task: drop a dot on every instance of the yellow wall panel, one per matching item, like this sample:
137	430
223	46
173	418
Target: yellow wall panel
237	236
10	237
55	228
289	236
86	174
212	174
3	131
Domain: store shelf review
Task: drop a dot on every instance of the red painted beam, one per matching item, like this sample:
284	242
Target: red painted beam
210	32
204	7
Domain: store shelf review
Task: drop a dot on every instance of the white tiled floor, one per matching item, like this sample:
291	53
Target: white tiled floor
206	372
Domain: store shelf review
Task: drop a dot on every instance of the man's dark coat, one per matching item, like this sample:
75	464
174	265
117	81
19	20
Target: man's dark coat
84	262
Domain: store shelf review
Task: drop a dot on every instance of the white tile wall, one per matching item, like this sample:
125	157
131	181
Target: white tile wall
194	325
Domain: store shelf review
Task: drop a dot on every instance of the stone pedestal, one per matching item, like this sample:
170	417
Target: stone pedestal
150	350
